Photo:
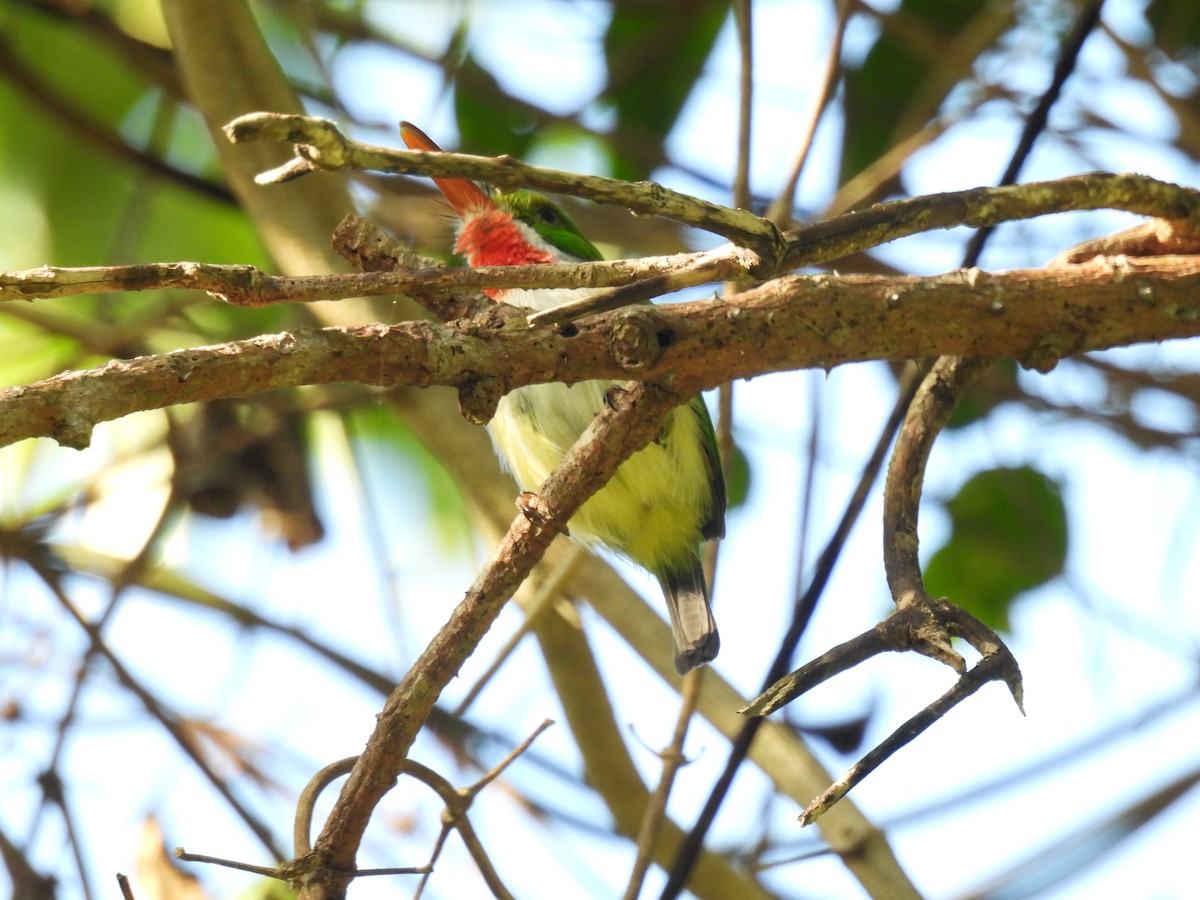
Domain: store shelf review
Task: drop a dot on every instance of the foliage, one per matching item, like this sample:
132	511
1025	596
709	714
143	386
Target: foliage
1008	536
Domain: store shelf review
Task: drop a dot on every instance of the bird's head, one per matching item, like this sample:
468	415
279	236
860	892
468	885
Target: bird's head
505	228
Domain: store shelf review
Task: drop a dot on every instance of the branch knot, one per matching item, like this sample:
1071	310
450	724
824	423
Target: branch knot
637	336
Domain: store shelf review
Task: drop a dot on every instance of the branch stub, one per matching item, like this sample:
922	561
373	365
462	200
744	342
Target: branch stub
635	338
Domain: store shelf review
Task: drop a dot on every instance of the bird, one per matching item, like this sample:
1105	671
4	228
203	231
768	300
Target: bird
665	500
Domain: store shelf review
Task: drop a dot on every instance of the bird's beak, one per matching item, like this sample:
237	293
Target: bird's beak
465	196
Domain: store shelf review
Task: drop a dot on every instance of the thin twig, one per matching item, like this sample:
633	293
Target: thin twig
307	801
885	168
809	245
933	622
780	210
802	612
509	758
673	760
457	800
743	19
1035	121
455	817
862	230
205	859
249	287
702	269
945	383
156	709
942	385
989	669
920	623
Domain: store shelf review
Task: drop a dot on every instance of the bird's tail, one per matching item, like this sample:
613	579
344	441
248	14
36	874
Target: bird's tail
692	625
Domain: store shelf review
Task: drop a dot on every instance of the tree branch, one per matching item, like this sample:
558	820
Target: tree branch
319	144
920	623
630	421
249	287
1036	316
981	207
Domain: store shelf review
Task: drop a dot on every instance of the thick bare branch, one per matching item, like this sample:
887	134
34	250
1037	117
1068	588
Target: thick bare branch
1037	316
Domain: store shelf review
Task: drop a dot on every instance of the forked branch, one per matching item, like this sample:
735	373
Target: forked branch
921	623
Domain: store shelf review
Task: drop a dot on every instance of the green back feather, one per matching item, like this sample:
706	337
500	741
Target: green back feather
714	528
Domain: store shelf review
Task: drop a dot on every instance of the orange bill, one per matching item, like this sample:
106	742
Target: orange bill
465	196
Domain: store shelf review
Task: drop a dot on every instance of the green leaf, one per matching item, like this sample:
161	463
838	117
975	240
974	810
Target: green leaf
1176	26
908	72
996	386
1009	535
490	122
738	478
48	161
655	54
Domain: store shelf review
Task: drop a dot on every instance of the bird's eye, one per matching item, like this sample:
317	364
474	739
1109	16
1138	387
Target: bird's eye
549	215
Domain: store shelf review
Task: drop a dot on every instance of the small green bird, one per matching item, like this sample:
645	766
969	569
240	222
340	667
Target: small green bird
666	499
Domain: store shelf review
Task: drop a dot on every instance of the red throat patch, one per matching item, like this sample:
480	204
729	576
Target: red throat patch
492	238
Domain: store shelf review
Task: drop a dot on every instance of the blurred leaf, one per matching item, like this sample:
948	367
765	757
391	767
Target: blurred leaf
1009	535
81	192
882	95
159	876
34	353
489	122
996	386
1176	25
844	737
180	224
737	478
446	508
230	455
141	19
655	54
23	879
